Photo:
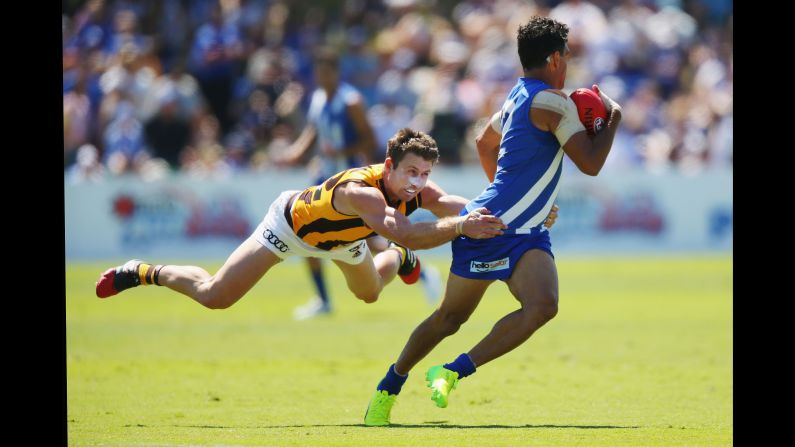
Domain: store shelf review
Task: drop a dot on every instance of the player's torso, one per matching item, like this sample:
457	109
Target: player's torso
335	129
528	167
318	223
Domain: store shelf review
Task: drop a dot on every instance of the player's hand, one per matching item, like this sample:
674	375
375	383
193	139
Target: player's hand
328	150
610	105
552	217
480	224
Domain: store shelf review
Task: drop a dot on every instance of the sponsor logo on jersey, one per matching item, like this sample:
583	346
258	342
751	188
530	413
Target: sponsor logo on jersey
357	250
482	267
275	241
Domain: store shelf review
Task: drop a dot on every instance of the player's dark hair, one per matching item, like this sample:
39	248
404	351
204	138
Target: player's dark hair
411	141
539	38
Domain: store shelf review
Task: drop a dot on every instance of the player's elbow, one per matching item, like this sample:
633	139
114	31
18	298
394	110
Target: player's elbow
484	149
406	239
591	169
593	172
413	245
368	298
479	144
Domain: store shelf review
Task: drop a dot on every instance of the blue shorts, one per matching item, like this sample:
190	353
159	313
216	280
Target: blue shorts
495	258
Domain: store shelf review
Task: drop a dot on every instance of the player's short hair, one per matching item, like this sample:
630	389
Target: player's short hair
412	141
327	56
539	38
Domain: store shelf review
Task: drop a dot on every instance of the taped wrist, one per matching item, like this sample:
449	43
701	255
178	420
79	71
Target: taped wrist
459	226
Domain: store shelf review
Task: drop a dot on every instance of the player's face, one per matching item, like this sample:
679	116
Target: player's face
326	76
408	179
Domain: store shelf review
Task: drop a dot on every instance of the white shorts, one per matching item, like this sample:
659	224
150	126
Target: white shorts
276	234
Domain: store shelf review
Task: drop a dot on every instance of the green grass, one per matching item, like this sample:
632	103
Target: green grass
639	354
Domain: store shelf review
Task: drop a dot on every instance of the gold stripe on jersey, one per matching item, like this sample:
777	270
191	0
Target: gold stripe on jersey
317	223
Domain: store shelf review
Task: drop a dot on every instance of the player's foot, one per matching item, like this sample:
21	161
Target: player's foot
441	380
379	408
313	308
409	270
431	283
123	277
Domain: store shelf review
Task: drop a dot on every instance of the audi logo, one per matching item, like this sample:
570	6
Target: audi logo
275	241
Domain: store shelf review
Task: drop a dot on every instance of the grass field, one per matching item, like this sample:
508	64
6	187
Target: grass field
640	354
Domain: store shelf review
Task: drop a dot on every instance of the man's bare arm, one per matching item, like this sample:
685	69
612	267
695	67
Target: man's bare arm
300	145
441	204
369	204
488	145
365	144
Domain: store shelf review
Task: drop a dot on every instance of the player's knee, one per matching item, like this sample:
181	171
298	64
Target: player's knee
548	310
214	298
217	301
449	322
367	296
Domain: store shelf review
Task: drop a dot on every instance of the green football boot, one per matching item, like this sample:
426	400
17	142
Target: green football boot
441	380
379	408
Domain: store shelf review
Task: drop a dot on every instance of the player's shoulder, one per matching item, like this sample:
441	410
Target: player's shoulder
317	101
357	190
318	95
553	100
368	171
550	95
363	176
350	94
554	91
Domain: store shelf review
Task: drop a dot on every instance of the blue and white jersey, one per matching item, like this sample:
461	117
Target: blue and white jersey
528	167
334	127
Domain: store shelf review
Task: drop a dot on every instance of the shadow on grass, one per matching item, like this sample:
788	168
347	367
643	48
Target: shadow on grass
429	424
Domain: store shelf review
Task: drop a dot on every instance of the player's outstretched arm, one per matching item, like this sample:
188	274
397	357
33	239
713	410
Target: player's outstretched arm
441	204
370	205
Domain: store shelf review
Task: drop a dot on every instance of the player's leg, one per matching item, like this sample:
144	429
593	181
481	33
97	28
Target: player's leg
244	267
368	277
534	283
320	303
461	298
391	260
377	244
430	279
363	279
318	279
262	250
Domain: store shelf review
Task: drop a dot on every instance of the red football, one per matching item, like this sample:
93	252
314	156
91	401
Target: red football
593	113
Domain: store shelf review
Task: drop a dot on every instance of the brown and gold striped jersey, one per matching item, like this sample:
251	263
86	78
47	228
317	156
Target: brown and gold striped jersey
317	223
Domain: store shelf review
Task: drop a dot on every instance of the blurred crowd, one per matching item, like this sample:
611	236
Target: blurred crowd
213	87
